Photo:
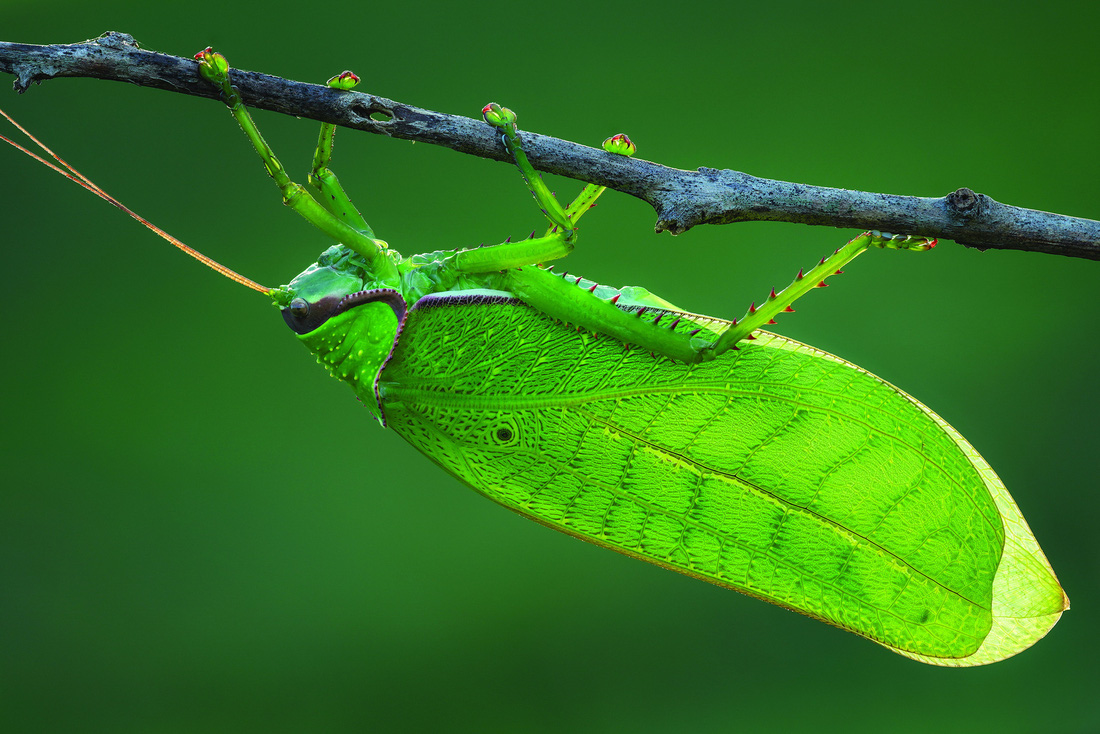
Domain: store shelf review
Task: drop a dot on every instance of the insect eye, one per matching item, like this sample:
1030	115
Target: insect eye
299	308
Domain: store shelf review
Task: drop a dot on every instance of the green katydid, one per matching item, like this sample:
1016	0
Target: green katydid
702	445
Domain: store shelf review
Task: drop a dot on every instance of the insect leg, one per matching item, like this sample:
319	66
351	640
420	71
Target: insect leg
508	254
324	180
618	144
504	120
557	242
215	69
560	297
777	303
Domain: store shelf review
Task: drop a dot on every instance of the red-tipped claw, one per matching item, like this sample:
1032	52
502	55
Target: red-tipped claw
344	80
212	65
498	116
620	145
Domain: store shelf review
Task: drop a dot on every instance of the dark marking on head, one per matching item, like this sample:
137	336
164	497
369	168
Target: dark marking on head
303	317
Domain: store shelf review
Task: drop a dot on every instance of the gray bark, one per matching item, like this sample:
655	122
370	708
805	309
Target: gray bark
682	199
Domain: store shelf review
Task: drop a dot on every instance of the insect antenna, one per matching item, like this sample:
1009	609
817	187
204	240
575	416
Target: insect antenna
77	177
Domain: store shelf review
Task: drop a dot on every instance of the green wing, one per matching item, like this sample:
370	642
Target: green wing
778	470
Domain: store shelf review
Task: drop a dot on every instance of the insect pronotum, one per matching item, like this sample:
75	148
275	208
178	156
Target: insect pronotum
706	446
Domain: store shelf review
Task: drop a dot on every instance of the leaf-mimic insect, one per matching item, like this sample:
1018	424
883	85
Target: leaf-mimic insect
706	446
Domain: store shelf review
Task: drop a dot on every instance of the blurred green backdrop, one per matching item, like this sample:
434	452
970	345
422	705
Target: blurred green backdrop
199	531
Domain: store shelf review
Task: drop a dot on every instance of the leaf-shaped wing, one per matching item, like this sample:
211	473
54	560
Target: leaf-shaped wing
778	470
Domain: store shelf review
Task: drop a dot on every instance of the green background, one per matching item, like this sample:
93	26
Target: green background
200	531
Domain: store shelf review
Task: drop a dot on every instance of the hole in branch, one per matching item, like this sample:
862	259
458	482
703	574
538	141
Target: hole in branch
374	111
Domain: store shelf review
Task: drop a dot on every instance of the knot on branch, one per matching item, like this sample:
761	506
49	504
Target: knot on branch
669	223
114	39
964	202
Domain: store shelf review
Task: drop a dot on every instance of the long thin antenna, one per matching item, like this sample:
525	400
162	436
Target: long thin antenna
77	177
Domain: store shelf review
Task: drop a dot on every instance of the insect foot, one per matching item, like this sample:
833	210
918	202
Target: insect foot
212	66
344	81
498	116
620	144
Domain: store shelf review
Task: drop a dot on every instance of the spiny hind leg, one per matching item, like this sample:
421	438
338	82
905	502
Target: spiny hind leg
680	336
758	317
561	297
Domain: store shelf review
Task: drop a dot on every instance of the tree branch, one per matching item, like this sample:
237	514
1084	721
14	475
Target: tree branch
682	199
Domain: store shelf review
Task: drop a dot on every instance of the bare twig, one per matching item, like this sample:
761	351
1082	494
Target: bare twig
682	199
